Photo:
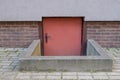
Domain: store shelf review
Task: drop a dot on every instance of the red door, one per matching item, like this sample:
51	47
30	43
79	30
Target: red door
62	36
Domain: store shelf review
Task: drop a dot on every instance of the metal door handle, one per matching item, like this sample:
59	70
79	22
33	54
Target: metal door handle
46	37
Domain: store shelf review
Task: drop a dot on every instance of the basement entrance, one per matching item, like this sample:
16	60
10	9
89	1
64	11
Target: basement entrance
62	36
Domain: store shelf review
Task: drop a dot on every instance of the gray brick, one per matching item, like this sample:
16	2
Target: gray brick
5	63
38	77
53	77
54	73
113	73
84	73
39	73
69	77
114	77
85	77
3	54
69	73
99	73
14	58
23	77
5	70
13	54
24	74
100	77
4	58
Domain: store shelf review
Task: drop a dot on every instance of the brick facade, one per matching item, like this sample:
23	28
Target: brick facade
21	34
18	34
107	33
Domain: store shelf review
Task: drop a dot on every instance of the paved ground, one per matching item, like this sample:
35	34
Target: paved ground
9	66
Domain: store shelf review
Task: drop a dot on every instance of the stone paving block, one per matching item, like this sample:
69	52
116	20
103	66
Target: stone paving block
14	63
99	74
16	68
24	74
4	58
69	73
13	54
5	70
8	67
54	73
14	58
84	73
85	78
0	66
69	77
23	78
100	77
116	70
8	77
39	73
114	77
53	77
113	73
5	63
118	60
38	77
3	54
1	73
9	73
116	64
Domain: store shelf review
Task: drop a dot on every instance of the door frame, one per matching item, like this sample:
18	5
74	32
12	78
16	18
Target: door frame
83	35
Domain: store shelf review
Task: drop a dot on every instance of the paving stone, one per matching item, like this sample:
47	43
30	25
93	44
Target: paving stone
13	54
5	63
24	74
5	70
114	77
3	54
14	58
9	67
53	77
116	64
69	73
116	70
54	73
15	63
99	74
85	77
113	73
39	73
16	68
69	77
23	77
4	58
1	73
9	73
84	73
38	77
101	77
8	77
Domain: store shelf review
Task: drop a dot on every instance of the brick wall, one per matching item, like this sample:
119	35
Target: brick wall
21	34
105	33
18	34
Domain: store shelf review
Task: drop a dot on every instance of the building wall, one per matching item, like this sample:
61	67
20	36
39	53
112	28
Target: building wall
105	33
21	34
18	34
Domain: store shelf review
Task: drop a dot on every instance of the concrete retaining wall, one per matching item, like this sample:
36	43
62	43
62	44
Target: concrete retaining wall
96	60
